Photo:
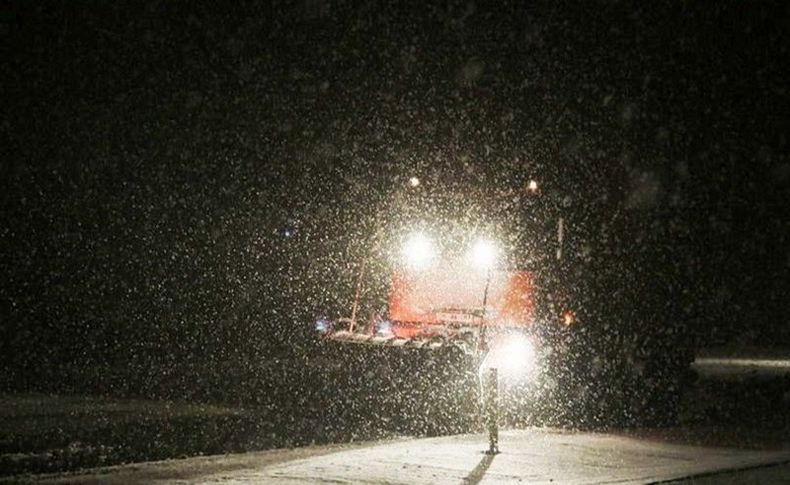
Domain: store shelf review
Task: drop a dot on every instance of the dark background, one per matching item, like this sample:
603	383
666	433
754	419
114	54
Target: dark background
185	186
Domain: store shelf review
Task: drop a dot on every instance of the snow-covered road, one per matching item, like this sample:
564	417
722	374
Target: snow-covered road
528	456
742	361
740	367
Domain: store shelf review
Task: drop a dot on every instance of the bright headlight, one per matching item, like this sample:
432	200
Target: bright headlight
418	250
483	254
513	357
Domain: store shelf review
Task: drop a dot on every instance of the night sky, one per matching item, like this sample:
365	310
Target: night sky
184	182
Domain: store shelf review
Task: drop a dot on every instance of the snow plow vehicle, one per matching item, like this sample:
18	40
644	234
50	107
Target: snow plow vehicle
461	292
484	279
461	301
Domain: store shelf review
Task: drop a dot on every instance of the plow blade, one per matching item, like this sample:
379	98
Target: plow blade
388	341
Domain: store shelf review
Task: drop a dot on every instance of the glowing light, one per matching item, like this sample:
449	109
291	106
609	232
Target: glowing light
483	254
418	250
322	325
514	357
567	318
532	186
383	328
414	181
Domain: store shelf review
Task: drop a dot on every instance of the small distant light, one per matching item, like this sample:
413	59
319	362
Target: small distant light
532	186
414	181
383	328
322	325
567	318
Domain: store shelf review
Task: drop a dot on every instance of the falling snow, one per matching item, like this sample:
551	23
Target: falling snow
187	190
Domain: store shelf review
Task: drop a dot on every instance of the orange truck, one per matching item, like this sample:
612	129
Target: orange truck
461	289
492	273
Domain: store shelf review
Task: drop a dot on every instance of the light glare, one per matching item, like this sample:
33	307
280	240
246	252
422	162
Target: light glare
483	254
418	250
515	357
567	318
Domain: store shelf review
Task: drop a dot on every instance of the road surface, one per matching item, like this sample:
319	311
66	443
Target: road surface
528	456
739	367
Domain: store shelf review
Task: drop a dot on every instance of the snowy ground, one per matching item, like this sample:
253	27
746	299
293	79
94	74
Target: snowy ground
738	367
42	433
740	401
742	361
532	456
